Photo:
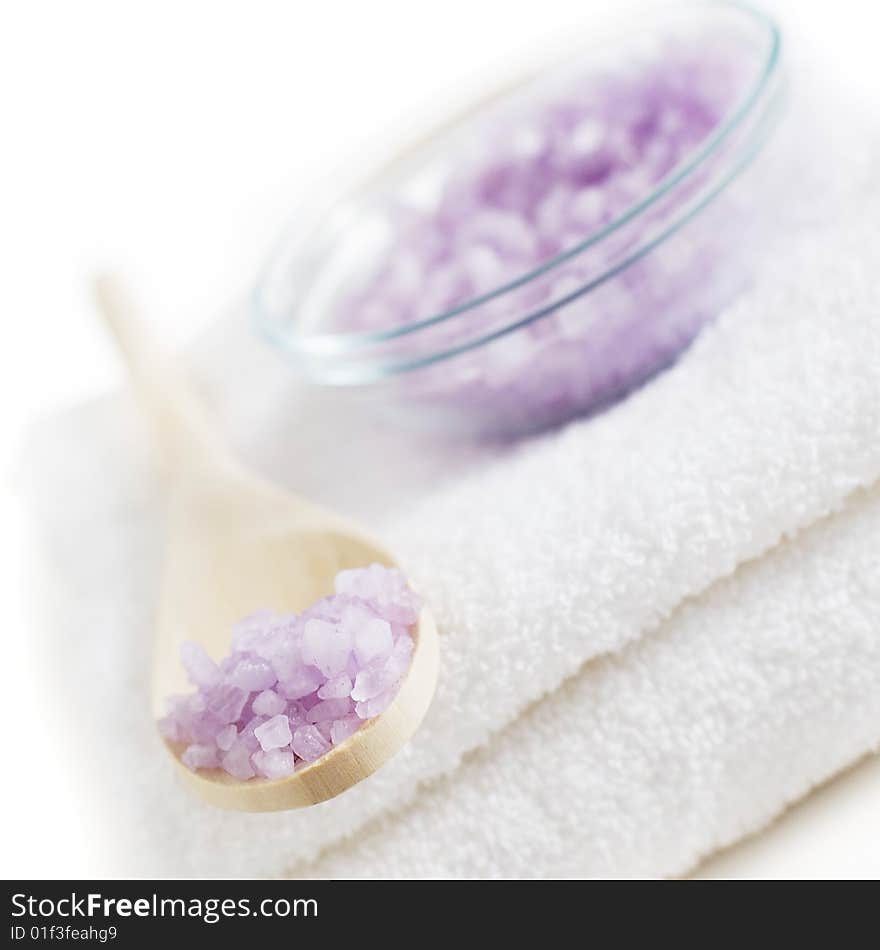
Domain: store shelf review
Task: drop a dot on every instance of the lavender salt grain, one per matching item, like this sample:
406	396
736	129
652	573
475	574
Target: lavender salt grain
296	686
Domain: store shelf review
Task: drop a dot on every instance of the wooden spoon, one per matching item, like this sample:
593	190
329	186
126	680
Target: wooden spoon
237	543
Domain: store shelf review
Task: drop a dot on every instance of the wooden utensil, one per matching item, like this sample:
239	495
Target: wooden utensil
237	543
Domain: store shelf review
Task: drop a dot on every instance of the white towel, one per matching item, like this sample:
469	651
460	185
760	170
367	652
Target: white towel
695	708
682	743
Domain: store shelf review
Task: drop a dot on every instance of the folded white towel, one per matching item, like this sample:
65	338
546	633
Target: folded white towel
682	743
714	713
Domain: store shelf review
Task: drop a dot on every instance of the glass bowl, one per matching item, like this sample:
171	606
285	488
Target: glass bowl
594	312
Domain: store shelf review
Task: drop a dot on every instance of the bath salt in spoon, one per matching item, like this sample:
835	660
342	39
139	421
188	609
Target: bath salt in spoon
235	544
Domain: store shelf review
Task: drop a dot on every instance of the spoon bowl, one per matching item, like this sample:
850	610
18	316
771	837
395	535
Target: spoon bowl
237	543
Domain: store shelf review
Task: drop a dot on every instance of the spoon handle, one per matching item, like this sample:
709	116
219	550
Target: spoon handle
183	429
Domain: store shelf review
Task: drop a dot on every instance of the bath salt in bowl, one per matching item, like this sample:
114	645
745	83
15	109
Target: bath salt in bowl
296	686
554	248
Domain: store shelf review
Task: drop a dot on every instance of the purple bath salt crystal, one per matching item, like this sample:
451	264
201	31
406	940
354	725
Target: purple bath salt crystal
307	702
356	582
226	738
502	230
201	670
303	682
205	728
193	721
171	729
247	735
329	709
341	729
268	703
373	641
355	613
275	764
308	743
284	655
237	762
370	683
248	633
401	657
385	588
244	721
280	645
226	702
374	706
273	734
338	687
253	673
200	757
296	713
326	646
403	647
324	727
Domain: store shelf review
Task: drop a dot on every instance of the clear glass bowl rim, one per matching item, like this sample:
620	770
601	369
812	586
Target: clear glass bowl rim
325	344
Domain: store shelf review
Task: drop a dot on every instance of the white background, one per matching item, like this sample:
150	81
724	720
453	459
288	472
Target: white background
169	141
